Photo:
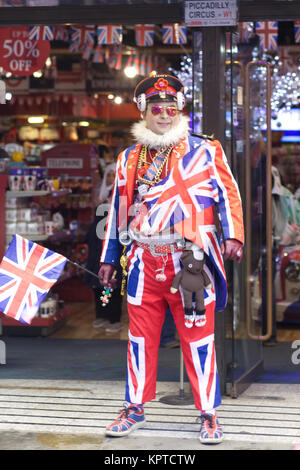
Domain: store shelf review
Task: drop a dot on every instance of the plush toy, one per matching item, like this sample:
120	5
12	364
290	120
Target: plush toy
192	279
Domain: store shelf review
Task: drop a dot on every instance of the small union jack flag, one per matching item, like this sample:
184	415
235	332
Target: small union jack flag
136	61
143	64
87	51
75	46
144	34
174	33
267	32
12	3
129	61
41	32
148	65
114	58
297	31
245	30
98	56
83	34
27	272
286	60
61	33
109	34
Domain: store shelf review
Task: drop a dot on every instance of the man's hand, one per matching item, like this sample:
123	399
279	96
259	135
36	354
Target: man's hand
233	249
105	275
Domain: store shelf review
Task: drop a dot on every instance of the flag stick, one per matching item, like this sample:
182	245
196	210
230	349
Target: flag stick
85	269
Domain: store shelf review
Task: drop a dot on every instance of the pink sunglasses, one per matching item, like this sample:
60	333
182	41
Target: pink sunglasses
171	110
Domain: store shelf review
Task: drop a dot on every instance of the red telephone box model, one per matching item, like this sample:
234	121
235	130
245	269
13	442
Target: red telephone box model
72	159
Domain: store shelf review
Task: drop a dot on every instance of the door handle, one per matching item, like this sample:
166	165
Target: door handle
250	332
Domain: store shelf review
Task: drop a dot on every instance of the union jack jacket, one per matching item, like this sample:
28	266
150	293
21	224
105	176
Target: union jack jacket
199	174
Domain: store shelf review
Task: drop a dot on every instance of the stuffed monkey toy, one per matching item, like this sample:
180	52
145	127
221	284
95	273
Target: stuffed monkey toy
192	279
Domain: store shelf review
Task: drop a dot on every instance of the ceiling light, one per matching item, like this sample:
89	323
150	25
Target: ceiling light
35	119
37	74
130	72
110	96
84	123
8	96
118	100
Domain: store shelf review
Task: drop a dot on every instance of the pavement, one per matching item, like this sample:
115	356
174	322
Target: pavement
72	415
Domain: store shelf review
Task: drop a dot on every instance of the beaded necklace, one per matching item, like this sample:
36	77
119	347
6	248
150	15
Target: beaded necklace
161	157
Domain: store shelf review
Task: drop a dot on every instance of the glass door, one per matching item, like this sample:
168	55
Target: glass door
248	145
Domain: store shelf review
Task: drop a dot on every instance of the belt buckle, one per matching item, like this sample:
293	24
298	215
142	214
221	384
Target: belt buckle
152	246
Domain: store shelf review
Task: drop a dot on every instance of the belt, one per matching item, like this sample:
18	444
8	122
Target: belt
158	249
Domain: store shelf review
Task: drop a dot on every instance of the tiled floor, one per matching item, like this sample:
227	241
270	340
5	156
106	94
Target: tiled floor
264	414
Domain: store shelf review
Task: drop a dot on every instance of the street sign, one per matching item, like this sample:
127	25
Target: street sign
210	13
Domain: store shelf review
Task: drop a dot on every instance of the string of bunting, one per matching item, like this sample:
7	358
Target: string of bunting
104	43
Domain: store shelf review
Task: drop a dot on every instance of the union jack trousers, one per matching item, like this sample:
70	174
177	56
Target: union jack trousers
147	301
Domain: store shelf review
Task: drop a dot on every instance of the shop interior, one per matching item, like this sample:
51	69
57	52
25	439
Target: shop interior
64	124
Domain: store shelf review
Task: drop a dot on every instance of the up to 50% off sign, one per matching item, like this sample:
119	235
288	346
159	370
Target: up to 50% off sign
19	54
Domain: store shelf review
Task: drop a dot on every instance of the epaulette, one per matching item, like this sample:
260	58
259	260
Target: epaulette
203	136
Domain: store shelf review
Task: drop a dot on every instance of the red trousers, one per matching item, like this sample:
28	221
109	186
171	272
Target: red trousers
147	301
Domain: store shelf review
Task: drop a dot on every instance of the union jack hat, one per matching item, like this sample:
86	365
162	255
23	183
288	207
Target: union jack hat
159	87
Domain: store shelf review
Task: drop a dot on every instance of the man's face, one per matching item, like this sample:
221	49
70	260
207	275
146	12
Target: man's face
161	116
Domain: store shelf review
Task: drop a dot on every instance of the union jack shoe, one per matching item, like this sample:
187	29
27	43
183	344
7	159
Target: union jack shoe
130	418
211	431
200	318
189	320
188	317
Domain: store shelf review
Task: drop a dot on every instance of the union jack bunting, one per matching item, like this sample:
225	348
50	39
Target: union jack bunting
245	30
286	60
41	32
174	33
129	61
144	34
98	56
267	32
75	46
136	61
143	64
87	51
27	272
114	58
12	3
109	34
61	33
148	64
83	34
297	31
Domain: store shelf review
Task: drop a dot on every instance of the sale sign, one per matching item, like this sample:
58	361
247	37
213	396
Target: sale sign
19	54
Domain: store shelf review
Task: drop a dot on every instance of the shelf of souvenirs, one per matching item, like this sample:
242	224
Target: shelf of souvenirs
32	237
35	193
43	318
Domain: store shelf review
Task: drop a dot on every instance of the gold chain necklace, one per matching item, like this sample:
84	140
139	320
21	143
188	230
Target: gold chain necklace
143	161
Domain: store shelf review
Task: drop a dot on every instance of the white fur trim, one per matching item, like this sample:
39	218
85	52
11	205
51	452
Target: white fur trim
145	136
180	100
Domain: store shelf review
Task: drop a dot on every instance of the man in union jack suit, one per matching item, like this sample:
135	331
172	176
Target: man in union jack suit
167	188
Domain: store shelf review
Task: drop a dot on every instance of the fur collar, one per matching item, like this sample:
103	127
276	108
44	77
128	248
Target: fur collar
145	136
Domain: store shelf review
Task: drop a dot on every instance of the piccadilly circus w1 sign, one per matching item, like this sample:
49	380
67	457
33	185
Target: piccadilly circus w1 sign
20	55
210	13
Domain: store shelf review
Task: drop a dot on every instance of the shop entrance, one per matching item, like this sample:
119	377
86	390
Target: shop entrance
263	308
246	125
